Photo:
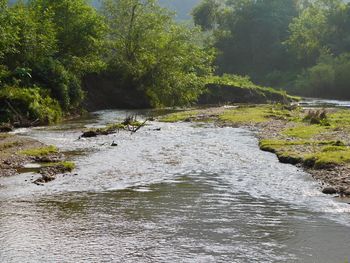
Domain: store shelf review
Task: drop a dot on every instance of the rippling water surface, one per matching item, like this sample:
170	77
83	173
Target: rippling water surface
186	193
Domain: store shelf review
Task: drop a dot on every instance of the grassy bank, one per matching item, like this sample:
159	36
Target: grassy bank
240	89
318	140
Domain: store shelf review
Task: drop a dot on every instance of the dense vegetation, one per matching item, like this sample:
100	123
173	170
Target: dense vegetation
47	48
299	45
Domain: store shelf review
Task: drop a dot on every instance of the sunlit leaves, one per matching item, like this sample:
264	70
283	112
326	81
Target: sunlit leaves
150	52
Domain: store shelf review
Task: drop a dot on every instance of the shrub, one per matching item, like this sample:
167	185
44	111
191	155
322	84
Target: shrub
328	78
317	117
30	104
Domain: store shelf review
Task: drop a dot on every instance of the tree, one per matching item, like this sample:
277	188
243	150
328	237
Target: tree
7	39
151	53
249	35
206	14
80	33
306	34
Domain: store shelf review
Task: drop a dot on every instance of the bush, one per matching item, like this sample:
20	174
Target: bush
328	78
28	104
63	85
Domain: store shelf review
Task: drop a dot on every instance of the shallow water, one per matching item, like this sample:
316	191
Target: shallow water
186	193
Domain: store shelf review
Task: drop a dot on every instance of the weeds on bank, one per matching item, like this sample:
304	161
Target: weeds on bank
179	116
68	166
39	152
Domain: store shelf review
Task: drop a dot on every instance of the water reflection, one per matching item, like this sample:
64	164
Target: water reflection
196	218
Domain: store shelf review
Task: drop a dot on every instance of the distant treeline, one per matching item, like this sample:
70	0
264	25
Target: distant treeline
301	45
47	49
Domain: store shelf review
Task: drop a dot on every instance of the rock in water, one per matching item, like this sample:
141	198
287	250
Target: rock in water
329	191
89	134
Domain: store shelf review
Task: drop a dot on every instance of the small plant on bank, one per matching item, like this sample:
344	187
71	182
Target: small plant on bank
39	152
317	117
67	166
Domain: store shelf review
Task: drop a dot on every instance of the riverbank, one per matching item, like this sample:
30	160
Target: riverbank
315	139
22	154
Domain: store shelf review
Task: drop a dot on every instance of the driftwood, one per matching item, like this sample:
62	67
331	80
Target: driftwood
134	129
130	123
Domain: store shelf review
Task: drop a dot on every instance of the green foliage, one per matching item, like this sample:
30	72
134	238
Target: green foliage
328	78
63	84
80	33
302	46
154	54
243	82
206	14
46	48
30	103
248	34
306	33
7	38
241	89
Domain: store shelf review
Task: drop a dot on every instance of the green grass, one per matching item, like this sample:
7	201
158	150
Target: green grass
68	166
341	118
327	158
245	115
333	148
179	116
306	131
39	152
275	145
323	153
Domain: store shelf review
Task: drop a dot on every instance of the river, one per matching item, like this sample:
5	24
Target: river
169	193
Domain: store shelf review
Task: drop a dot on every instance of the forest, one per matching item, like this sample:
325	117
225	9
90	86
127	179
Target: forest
300	46
49	48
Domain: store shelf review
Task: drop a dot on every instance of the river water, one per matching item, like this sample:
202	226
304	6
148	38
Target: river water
184	193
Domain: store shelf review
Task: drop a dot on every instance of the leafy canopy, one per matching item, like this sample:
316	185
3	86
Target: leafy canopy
151	53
